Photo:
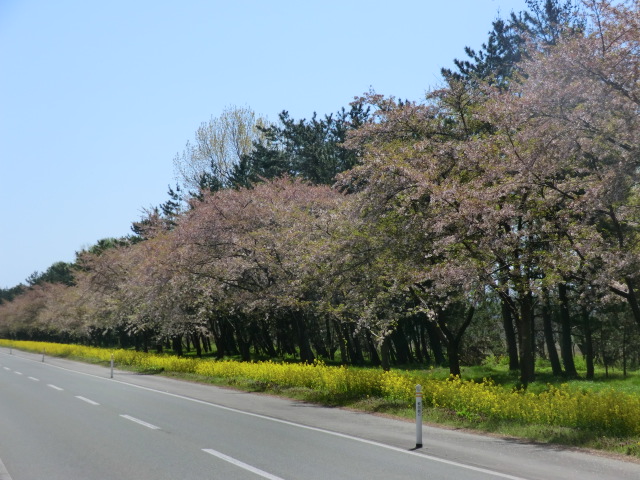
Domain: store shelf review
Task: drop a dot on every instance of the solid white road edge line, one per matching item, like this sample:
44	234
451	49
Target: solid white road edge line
286	422
140	422
240	464
329	432
87	400
4	475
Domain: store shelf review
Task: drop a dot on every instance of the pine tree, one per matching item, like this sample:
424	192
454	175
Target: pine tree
309	149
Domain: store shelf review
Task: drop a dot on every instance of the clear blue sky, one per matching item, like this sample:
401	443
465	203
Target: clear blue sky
97	97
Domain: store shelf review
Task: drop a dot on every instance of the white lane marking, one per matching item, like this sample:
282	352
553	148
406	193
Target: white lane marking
4	475
18	373
298	425
136	420
54	387
34	379
87	400
6	368
329	432
240	464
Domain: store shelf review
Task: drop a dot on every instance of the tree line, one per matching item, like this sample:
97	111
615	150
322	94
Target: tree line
497	216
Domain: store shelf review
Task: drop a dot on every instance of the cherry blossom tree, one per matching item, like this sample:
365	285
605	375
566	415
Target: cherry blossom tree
413	181
571	134
253	247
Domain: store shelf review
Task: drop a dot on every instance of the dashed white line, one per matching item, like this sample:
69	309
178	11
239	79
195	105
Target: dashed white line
34	379
17	373
6	368
87	400
140	422
240	464
54	387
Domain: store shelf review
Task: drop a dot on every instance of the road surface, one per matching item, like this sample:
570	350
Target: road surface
67	420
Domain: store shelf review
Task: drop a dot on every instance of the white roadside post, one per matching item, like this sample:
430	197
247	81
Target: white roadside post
43	351
418	416
112	365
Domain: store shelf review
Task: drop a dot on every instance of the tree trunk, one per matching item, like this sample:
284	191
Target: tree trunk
435	342
195	338
588	344
342	343
349	344
316	339
508	309
176	345
509	313
566	345
632	299
373	351
402	346
229	339
525	329
306	354
384	354
549	338
267	341
245	349
329	339
453	339
423	342
217	339
454	359
624	352
359	360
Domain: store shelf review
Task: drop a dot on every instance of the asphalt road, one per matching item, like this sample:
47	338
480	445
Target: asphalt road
66	420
